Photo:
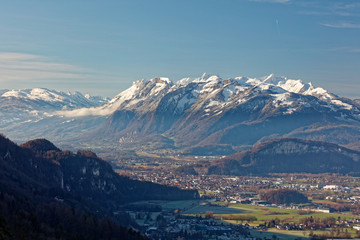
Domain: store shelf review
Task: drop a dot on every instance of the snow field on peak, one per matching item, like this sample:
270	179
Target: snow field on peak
35	94
182	82
206	90
158	88
340	103
51	96
295	86
183	103
282	99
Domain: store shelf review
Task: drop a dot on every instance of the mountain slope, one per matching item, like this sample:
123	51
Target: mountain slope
51	98
289	155
33	204
87	175
30	113
202	112
18	107
38	164
46	193
235	112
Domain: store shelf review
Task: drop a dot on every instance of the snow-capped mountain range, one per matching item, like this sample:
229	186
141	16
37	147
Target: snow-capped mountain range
51	99
202	111
35	104
217	92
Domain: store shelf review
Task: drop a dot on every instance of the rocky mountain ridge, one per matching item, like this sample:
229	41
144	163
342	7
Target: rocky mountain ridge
235	112
20	107
201	112
39	200
81	173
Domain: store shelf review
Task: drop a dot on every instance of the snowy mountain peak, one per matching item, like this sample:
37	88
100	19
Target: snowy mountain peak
204	75
214	77
46	98
157	80
272	79
211	93
203	110
184	81
295	86
36	94
162	80
207	78
311	86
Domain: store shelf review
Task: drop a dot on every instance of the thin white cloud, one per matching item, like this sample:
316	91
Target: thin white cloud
27	67
345	5
92	111
345	49
329	8
341	25
11	56
325	13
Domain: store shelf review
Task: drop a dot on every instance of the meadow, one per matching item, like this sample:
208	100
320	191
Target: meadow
229	212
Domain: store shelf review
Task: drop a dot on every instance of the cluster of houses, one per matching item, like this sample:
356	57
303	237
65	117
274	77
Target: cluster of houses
186	227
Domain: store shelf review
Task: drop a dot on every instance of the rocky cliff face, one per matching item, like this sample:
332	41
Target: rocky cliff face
36	202
39	163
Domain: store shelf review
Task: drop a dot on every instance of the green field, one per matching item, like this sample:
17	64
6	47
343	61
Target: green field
262	214
268	213
223	211
202	209
186	204
280	234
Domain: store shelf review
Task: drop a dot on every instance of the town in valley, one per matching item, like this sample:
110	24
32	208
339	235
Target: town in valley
231	207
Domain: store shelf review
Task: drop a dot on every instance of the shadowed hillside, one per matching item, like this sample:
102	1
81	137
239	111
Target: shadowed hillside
48	193
287	155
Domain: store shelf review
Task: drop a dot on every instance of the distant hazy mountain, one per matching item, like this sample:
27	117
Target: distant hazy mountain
288	155
18	107
357	101
202	113
38	100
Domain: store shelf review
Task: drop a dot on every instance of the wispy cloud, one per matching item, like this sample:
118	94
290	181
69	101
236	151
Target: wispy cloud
329	8
325	13
24	67
346	49
343	5
341	25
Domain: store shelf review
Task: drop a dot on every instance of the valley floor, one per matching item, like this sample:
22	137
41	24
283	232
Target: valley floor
230	206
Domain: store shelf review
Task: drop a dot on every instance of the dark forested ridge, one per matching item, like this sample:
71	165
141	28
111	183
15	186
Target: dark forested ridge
48	193
289	155
283	196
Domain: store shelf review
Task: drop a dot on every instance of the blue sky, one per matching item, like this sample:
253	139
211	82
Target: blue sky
101	47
